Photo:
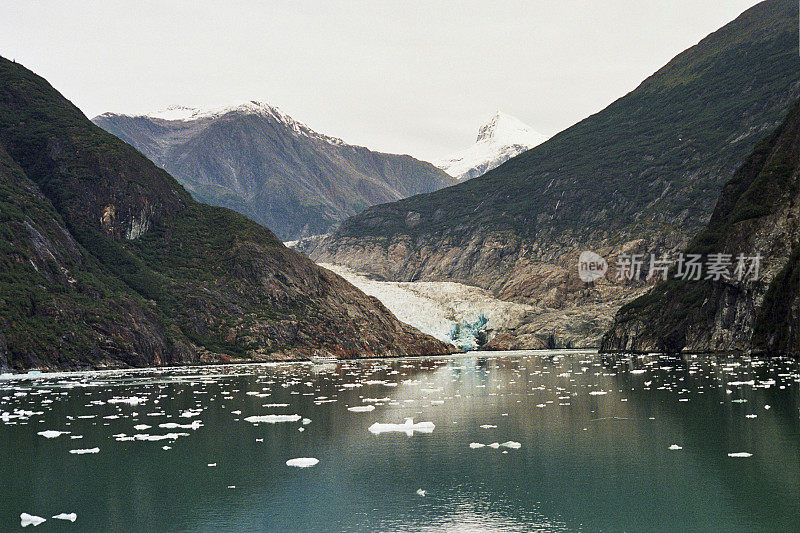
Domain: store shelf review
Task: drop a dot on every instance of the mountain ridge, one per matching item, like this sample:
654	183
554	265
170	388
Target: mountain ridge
108	261
261	162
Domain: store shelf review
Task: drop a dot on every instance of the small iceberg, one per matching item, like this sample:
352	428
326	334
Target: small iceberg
740	454
71	517
361	408
51	433
133	400
475	445
675	447
408	427
512	444
26	520
83	451
302	462
272	419
421	492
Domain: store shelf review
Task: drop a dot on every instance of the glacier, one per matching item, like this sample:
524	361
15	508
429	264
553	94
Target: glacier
452	312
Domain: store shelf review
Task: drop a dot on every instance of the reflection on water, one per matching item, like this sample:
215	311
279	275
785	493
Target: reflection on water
521	441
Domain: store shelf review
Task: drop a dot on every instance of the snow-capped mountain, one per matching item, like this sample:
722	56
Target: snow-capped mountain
257	160
500	139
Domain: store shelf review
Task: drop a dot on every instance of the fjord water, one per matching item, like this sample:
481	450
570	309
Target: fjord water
595	438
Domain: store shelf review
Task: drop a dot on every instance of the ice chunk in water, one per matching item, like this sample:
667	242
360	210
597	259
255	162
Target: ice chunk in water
66	516
421	492
361	408
133	400
512	444
51	433
302	462
488	426
740	454
26	520
272	419
83	451
475	445
494	445
408	427
675	447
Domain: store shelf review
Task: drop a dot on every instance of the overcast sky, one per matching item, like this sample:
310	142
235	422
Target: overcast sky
399	76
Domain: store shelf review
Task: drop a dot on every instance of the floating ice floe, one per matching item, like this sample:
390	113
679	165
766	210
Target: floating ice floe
26	520
141	427
71	517
272	419
421	492
740	454
512	444
488	426
197	424
361	408
51	433
598	392
675	447
302	462
475	445
133	400
408	427
83	451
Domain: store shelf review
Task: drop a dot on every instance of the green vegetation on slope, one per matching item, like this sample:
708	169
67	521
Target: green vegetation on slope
756	213
129	270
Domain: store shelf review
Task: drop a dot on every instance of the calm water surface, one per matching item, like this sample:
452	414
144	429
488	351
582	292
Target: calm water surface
572	443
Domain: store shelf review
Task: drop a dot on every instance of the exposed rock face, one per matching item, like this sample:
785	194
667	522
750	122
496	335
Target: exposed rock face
645	170
105	260
277	171
758	212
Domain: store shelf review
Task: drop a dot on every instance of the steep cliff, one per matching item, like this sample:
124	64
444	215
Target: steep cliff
758	213
273	169
108	261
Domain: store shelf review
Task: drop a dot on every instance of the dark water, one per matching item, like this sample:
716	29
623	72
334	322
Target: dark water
594	446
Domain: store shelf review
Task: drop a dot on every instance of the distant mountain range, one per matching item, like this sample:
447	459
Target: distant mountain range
499	139
641	175
273	169
106	261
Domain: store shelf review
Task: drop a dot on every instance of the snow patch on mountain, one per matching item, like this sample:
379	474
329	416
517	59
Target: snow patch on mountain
500	139
188	114
438	308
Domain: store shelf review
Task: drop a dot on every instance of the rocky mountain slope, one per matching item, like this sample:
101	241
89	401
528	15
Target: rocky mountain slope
757	213
641	175
500	139
273	169
105	260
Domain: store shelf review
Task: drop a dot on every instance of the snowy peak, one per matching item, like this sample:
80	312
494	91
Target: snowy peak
499	139
182	115
507	130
